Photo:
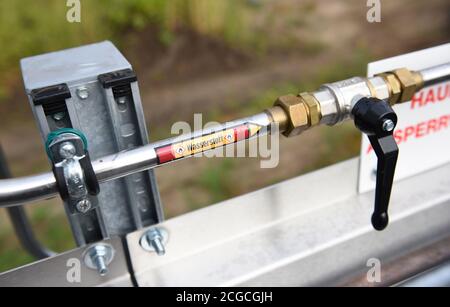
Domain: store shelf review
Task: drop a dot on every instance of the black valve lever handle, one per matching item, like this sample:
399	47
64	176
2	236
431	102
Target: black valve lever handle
377	119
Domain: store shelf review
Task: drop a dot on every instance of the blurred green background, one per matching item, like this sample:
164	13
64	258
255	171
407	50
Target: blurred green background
222	58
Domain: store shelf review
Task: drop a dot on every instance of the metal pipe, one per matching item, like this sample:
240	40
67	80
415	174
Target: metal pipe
330	105
27	189
43	186
435	74
20	221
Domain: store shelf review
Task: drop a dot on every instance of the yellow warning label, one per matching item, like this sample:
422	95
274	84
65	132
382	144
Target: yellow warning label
203	143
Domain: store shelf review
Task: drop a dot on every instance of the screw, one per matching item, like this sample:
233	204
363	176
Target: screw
121	100
157	244
59	116
153	240
98	257
101	265
388	125
83	93
67	150
83	206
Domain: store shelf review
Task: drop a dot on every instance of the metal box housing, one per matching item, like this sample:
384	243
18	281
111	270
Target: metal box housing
94	89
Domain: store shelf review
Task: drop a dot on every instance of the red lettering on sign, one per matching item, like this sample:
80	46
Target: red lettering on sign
443	92
419	130
443	121
417	99
432	125
408	132
430	95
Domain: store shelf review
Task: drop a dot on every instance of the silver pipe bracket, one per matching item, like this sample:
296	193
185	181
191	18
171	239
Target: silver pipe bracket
76	180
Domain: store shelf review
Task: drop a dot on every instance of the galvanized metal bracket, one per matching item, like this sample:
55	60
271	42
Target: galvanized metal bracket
93	89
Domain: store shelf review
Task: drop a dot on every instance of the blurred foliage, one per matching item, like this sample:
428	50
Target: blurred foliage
50	226
341	69
217	181
30	27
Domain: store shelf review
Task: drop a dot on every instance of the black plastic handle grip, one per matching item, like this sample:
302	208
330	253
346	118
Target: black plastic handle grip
376	118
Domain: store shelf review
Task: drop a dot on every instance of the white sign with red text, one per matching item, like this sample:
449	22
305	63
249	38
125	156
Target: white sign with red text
423	128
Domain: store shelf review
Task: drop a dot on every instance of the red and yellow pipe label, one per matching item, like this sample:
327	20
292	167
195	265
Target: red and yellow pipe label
205	142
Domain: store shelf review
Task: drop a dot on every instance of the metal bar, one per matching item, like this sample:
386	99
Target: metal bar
68	269
404	267
435	74
27	189
297	234
20	220
438	276
18	191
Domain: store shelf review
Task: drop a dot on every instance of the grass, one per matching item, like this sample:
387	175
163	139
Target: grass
51	228
40	26
216	180
30	27
340	70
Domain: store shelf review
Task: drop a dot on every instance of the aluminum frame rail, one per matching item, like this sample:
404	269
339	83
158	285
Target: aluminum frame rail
296	236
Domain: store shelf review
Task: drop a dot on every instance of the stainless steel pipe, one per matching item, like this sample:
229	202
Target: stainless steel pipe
43	186
27	189
435	74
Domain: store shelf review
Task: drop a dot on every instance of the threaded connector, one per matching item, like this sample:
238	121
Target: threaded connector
295	114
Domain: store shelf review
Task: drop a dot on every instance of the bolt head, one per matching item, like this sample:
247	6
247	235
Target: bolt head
297	114
153	234
59	116
98	257
83	93
99	251
83	206
121	100
388	125
154	240
67	150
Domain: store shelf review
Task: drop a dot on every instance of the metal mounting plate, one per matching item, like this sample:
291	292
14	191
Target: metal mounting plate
64	269
310	230
112	120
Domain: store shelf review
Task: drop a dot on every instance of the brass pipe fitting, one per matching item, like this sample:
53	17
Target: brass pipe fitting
295	114
312	107
279	116
402	83
410	82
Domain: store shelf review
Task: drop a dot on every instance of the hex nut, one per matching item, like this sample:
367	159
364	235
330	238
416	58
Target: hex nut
395	89
98	256
313	108
297	113
408	82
